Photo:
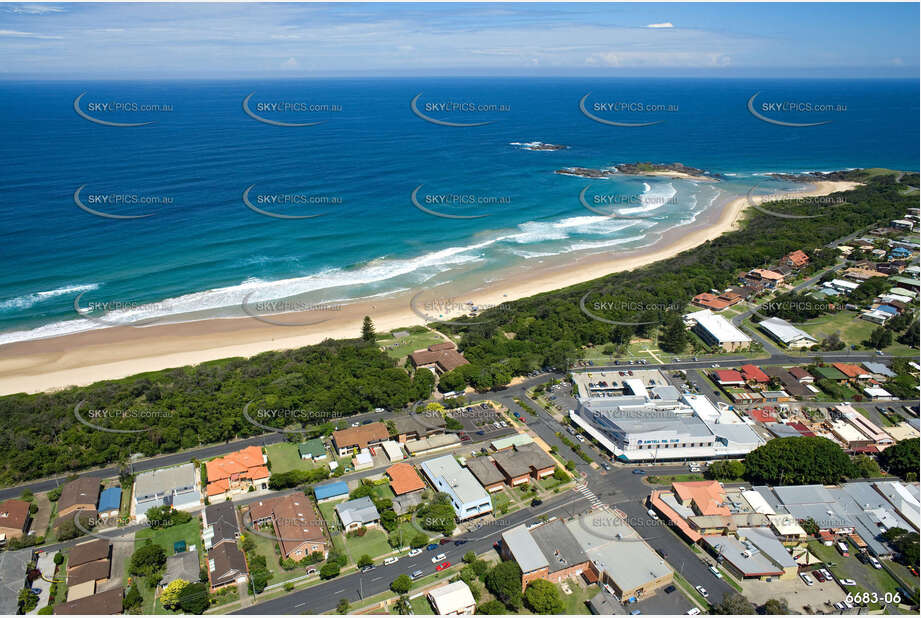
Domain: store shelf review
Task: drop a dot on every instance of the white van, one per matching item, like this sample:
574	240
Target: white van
390	560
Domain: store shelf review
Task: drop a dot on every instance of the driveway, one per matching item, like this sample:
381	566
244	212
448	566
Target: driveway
46	565
121	554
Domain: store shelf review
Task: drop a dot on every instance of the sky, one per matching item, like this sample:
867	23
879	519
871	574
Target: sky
119	41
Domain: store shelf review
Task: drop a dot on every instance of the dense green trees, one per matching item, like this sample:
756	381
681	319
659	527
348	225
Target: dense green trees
199	405
543	597
902	459
734	604
504	581
194	599
401	584
905	544
726	470
797	461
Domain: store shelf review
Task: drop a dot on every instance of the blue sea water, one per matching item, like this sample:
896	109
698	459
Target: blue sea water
203	250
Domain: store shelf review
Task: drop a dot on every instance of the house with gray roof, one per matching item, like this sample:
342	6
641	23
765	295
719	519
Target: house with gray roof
358	513
184	566
178	486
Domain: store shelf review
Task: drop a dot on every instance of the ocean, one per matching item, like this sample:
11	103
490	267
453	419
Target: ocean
396	198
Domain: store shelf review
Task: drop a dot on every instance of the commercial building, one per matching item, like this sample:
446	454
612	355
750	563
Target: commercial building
452	600
468	498
177	486
357	438
783	332
642	418
754	554
486	473
716	330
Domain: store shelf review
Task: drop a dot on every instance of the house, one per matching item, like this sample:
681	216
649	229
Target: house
879	438
783	332
358	513
862	274
452	600
754	375
439	358
14	519
363	460
877	393
226	565
80	494
330	491
902	224
879	371
789	383
237	472
90	551
716	302
802	376
392	450
796	259
88	564
178	486
184	566
876	316
418	426
468	498
829	373
842	286
108	603
853	372
772	278
357	438
521	463
728	377
297	526
717	331
404	479
486	473
313	450
110	502
220	524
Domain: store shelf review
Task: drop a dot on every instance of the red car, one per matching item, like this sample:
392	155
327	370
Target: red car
819	575
443	566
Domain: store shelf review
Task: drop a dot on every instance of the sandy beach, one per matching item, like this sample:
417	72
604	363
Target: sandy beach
117	352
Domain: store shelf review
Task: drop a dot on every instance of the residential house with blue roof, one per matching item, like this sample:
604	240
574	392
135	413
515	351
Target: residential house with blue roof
331	491
110	502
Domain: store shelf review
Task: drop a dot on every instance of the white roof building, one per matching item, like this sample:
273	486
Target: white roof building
786	333
452	600
393	450
719	328
842	285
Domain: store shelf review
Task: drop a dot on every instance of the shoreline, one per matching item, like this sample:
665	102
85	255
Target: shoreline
117	352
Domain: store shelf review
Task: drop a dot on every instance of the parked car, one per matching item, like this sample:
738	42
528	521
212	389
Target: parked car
536	502
416	574
414	552
716	571
431	546
639	471
444	565
819	575
703	591
390	560
459	542
847	582
438	558
652	514
876	564
842	548
444	541
367	569
606	466
808	580
693	611
669	589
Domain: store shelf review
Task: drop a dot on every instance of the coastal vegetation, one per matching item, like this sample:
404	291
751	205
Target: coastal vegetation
186	407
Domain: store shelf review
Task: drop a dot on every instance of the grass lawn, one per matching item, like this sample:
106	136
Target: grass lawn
421	606
880	581
409	531
266	547
851	329
668	479
166	537
575	602
374	543
284	457
382	491
690	591
398	348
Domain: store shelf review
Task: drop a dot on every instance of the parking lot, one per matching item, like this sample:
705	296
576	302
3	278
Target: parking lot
800	598
480	423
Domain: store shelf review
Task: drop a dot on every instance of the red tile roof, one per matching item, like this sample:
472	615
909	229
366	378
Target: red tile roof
798	258
751	372
851	371
404	479
762	416
728	376
14	514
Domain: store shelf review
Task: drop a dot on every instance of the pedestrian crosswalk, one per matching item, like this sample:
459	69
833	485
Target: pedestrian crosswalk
589	495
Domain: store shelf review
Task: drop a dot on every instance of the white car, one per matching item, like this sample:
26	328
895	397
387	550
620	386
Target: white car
652	514
807	578
703	591
414	552
390	560
438	558
847	582
693	611
716	571
876	564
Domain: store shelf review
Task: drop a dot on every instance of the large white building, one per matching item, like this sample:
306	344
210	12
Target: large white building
787	334
642	418
717	330
468	497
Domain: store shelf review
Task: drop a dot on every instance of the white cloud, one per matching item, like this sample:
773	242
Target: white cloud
625	59
664	24
33	9
27	35
290	63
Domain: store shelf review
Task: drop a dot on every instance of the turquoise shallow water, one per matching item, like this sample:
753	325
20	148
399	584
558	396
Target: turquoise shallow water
203	250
